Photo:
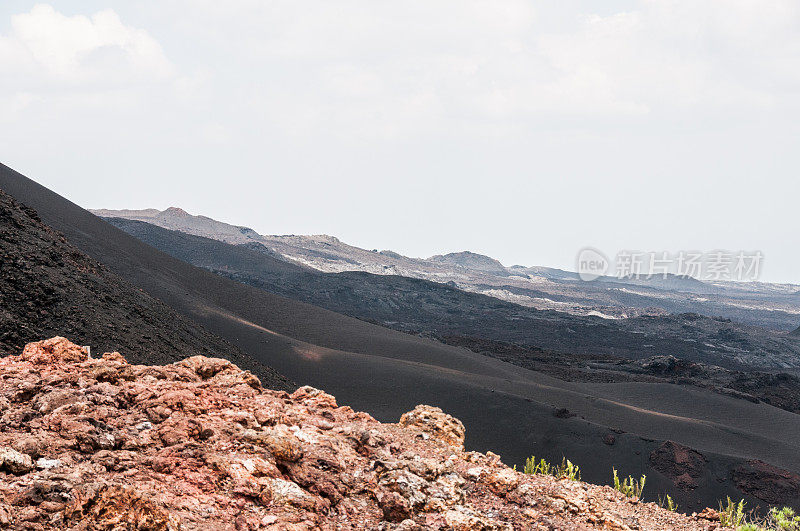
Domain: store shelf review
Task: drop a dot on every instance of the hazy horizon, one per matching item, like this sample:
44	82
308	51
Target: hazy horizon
524	131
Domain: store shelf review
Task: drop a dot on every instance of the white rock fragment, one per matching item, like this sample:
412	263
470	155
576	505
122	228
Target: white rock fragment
45	464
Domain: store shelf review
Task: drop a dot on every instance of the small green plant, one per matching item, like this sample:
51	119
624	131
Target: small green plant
783	519
534	468
667	503
732	514
629	486
566	470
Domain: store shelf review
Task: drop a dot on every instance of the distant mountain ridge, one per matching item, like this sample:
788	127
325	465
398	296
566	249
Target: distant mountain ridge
543	288
443	310
470	260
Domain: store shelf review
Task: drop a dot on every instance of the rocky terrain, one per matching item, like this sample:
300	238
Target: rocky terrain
200	444
47	287
775	306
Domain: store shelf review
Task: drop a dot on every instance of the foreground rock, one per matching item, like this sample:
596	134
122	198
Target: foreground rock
199	444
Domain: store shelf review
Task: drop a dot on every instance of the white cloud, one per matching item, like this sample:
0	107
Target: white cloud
391	69
400	68
669	55
50	49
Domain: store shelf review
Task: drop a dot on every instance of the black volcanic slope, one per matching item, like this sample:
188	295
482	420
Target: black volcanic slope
506	408
48	288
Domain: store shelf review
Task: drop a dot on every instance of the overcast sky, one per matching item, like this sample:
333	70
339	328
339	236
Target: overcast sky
523	130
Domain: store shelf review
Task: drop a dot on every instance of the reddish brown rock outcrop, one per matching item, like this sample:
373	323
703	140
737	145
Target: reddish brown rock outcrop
199	444
679	463
766	482
435	422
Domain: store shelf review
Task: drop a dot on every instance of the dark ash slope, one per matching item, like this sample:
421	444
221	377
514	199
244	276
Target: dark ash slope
48	287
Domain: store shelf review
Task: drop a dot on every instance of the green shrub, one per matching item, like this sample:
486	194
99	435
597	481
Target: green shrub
566	470
783	519
732	514
667	503
629	486
542	468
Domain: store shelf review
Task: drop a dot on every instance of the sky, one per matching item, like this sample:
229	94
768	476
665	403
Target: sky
525	130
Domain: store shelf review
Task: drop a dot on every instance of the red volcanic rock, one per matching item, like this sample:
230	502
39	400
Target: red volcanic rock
709	514
679	463
115	507
436	423
199	444
54	350
766	482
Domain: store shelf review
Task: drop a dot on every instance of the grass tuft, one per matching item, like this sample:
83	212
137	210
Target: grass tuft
732	514
667	503
566	470
783	519
629	486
